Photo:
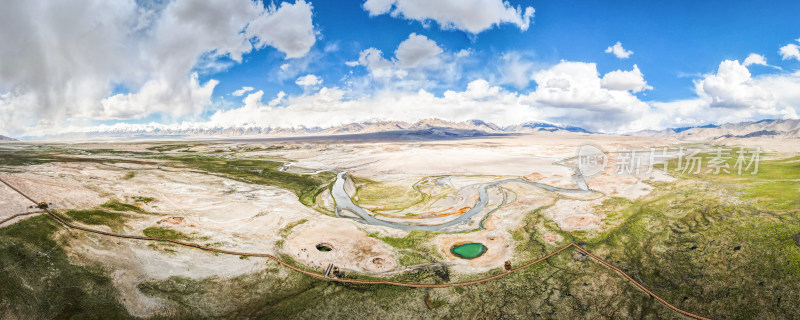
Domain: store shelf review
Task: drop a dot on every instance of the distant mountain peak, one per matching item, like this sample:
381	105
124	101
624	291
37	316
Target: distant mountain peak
775	128
682	129
550	127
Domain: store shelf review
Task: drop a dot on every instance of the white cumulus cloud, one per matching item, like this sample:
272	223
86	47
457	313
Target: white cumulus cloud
157	95
288	28
308	80
418	62
515	70
578	85
755	58
473	16
329	107
626	80
790	51
732	95
242	91
77	61
575	93
619	51
378	66
416	50
732	87
567	92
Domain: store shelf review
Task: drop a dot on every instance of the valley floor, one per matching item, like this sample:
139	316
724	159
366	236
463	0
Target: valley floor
721	246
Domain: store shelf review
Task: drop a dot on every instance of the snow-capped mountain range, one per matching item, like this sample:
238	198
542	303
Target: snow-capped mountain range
433	128
426	127
789	128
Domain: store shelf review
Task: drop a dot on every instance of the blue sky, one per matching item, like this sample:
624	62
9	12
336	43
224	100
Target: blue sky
672	42
495	57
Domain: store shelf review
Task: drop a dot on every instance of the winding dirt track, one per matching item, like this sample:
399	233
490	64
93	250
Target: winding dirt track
18	215
359	281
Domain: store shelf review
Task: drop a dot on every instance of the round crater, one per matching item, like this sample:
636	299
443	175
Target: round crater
469	250
324	247
380	263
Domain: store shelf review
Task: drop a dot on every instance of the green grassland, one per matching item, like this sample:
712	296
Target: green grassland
143	199
156	232
37	280
170	147
256	171
285	231
116	205
722	245
413	240
385	196
26	158
776	185
33	155
116	221
110	214
414	248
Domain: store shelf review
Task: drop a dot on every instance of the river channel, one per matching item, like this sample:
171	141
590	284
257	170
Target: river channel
344	202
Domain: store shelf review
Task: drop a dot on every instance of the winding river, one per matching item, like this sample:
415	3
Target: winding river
344	202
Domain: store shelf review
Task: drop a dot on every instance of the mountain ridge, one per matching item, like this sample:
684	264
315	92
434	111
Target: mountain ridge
433	127
775	128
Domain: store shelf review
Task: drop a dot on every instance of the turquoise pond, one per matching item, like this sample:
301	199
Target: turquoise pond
468	250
